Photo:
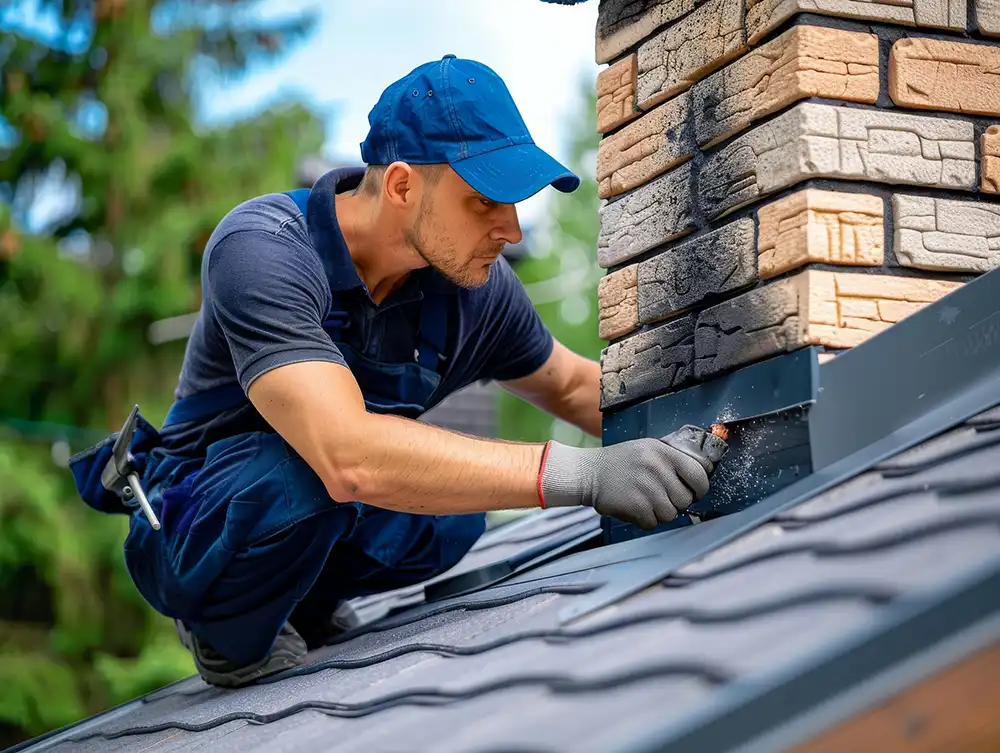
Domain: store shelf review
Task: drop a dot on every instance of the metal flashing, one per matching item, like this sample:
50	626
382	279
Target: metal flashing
495	572
765	455
972	314
772	386
916	634
767	399
701	539
946	347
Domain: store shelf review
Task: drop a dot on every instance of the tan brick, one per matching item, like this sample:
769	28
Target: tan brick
814	226
708	38
618	313
988	17
805	61
622	23
934	74
991	160
644	149
890	287
766	15
616	95
858	308
814	307
894	311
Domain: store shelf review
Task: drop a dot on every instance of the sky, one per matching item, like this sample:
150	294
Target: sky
540	49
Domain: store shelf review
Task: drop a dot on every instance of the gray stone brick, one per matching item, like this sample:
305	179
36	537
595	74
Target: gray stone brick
748	328
649	363
814	140
721	261
622	23
650	215
765	15
946	234
988	17
708	38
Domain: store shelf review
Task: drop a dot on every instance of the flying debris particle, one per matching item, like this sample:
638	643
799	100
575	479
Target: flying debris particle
738	476
727	415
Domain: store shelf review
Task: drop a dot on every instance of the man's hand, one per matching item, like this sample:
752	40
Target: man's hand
644	482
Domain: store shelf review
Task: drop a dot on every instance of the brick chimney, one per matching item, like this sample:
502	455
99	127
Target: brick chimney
778	174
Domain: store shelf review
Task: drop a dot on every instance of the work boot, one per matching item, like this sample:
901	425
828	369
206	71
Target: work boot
318	633
287	652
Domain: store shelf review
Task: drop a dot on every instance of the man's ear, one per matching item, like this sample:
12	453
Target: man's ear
401	186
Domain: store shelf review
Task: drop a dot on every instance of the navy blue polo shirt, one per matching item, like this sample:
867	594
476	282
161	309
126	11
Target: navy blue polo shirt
268	277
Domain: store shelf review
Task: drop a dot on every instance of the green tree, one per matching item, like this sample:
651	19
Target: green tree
101	116
561	274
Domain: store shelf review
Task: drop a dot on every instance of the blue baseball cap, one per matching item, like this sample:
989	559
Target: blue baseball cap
460	112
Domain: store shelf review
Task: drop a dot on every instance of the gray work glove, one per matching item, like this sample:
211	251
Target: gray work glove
643	481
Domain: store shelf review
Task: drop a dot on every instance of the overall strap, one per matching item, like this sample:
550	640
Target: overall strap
433	313
336	319
204	404
301	198
433	331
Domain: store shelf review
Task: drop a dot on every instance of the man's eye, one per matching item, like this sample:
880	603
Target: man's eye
487	203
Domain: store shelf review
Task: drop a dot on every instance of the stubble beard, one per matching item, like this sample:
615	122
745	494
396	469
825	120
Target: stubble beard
443	257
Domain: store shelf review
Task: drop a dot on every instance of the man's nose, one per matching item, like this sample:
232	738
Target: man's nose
507	228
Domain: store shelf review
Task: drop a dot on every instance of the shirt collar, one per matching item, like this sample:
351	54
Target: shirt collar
324	230
327	238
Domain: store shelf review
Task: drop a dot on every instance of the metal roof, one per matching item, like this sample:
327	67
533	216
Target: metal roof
496	670
747	632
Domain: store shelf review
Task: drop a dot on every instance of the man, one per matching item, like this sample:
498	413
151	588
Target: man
290	475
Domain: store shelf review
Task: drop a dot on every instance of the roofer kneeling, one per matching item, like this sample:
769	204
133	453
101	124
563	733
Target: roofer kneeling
289	475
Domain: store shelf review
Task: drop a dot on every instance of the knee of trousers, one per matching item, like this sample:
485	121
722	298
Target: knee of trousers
249	514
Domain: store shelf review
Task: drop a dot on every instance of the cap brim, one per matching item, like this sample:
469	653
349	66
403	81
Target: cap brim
515	173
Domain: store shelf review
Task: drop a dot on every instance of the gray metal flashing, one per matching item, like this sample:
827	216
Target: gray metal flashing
915	625
946	348
497	572
701	539
768	399
772	386
971	315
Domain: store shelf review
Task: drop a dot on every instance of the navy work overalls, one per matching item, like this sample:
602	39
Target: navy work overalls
250	538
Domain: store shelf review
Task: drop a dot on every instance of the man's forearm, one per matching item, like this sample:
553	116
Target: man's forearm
405	465
586	408
388	461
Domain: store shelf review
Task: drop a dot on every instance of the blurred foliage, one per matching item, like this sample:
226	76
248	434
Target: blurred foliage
98	118
561	275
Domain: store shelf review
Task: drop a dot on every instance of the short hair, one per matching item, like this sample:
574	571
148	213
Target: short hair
371	181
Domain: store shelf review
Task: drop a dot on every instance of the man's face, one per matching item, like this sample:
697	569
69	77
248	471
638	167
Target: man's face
459	232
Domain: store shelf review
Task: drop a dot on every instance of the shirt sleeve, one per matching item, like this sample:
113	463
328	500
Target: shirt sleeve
520	341
269	296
